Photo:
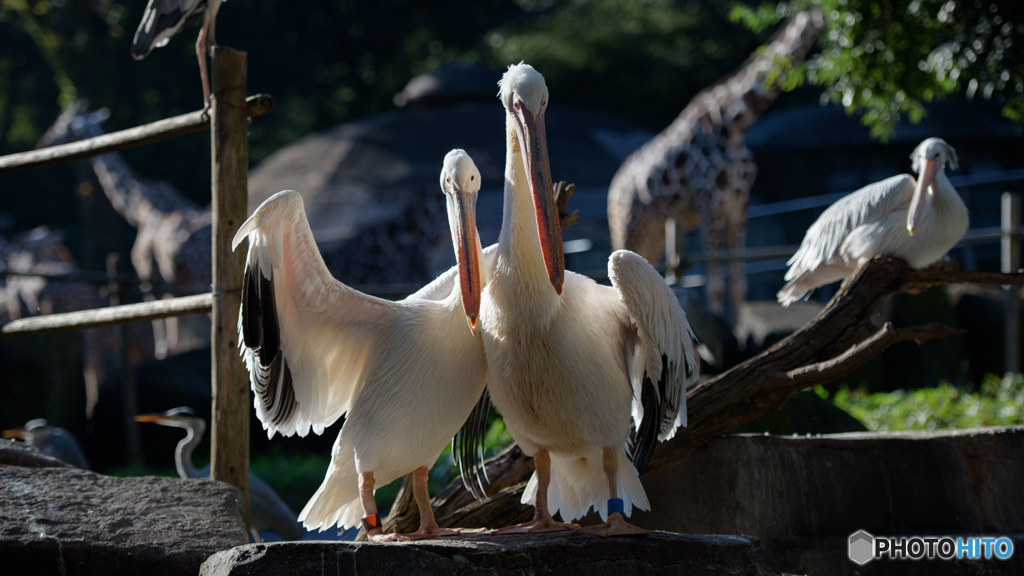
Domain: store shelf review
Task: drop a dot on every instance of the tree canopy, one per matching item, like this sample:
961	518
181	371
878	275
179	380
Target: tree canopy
886	57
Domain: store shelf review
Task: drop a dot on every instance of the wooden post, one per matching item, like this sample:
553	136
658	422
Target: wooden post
129	397
1011	263
230	166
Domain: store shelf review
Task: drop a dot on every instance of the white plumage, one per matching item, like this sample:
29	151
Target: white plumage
567	366
917	220
406	374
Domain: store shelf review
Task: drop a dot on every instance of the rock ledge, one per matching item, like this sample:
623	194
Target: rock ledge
659	553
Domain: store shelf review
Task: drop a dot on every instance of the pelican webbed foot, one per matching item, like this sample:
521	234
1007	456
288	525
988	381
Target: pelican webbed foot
426	533
540	524
382	537
615	526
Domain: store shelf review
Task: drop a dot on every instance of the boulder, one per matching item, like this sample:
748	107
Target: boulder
803	496
56	519
559	553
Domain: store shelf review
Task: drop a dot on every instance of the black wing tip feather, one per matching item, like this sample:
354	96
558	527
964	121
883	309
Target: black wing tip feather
659	415
252	327
272	379
646	436
468	448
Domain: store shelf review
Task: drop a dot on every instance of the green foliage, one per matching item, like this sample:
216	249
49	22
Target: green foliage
885	57
999	402
642	60
295	476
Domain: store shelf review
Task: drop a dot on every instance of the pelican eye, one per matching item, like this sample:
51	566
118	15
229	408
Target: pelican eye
517	105
448	180
471	178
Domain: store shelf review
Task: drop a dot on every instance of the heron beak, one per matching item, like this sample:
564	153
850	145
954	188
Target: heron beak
14	433
157	417
533	139
924	180
467	253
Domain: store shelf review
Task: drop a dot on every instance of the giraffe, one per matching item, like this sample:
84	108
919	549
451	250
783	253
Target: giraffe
172	246
699	170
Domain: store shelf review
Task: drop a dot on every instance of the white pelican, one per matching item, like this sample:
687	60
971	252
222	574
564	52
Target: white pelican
565	365
268	510
406	374
918	221
164	18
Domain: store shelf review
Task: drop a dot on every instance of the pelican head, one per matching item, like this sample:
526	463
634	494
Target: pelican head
929	158
460	182
182	417
524	94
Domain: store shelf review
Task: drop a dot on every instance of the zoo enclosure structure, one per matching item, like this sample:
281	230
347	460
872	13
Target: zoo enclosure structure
228	122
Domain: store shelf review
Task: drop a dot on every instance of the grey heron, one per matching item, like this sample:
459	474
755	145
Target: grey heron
52	441
164	18
267	510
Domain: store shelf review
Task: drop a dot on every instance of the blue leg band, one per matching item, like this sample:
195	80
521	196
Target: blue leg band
615	505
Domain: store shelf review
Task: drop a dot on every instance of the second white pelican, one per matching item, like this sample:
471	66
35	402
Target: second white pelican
919	221
567	366
406	374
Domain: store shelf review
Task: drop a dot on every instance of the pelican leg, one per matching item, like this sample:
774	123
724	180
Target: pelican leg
371	520
428	525
542	520
616	524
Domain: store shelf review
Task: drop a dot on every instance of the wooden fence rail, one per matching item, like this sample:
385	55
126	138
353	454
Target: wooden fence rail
228	121
256	105
113	315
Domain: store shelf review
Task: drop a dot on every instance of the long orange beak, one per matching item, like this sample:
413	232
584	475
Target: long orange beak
533	138
924	180
14	433
467	252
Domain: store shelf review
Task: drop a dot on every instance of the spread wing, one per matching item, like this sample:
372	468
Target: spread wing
824	239
664	364
305	337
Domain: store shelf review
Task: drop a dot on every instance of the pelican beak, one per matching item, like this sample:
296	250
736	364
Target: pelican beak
533	139
14	433
917	203
467	252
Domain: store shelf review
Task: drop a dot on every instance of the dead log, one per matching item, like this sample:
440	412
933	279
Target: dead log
837	341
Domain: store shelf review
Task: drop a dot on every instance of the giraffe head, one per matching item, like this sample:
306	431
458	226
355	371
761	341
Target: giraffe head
75	123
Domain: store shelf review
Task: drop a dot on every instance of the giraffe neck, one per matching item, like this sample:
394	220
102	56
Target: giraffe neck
135	200
739	99
121	186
